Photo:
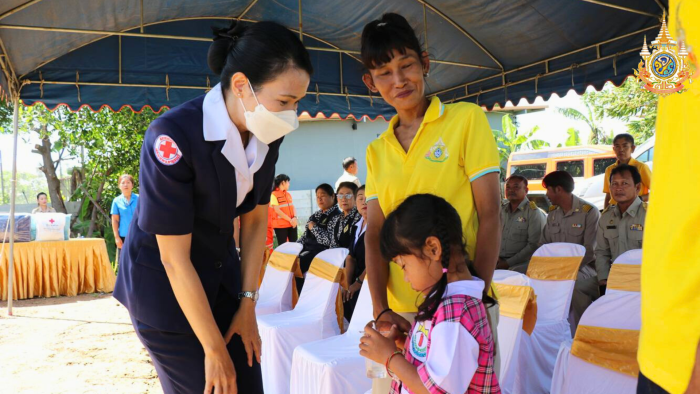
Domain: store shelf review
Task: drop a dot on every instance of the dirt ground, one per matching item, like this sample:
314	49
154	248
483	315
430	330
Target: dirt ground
82	344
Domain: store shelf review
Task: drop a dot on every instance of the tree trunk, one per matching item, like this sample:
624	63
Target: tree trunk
98	198
49	170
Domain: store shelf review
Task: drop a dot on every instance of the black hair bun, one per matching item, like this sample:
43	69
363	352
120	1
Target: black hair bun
224	42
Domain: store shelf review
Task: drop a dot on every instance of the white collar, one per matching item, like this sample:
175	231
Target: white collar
218	127
472	288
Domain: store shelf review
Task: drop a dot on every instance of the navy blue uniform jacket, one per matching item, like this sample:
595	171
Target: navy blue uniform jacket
196	195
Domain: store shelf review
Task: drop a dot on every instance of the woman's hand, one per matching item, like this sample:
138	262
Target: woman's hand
294	222
354	288
375	346
311	225
245	325
391	318
118	241
220	373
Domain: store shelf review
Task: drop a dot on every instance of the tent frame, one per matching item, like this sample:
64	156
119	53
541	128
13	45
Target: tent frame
15	83
504	83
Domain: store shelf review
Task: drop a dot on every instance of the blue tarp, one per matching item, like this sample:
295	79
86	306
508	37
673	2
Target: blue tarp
515	33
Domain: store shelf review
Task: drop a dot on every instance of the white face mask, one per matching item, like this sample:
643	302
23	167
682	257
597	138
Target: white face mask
269	126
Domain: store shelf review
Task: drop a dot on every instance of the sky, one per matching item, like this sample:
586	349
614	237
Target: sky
552	125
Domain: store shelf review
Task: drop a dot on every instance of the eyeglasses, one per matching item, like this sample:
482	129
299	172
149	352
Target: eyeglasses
348	196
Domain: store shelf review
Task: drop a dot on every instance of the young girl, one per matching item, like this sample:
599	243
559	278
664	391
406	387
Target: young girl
449	348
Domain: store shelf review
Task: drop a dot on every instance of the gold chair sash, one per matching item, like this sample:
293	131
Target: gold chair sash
611	348
625	277
554	268
328	271
287	263
518	302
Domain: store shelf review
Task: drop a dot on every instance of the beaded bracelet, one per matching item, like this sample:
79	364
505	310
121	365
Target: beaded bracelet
388	360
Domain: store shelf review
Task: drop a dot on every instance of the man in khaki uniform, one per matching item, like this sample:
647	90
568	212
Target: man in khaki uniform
621	225
573	220
522	224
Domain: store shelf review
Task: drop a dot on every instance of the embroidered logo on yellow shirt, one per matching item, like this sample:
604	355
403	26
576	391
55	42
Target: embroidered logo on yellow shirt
438	152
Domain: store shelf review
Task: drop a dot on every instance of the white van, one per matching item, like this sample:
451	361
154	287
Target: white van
591	189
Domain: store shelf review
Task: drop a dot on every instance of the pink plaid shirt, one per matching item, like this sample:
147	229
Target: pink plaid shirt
470	313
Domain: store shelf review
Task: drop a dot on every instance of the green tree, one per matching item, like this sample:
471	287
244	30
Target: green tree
593	119
509	140
106	144
629	103
28	186
572	139
109	145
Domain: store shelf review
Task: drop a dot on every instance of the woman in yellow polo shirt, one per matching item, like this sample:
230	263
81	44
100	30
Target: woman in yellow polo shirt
429	147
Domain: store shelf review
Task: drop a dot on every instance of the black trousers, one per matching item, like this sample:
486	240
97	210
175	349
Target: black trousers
179	358
288	234
646	386
119	250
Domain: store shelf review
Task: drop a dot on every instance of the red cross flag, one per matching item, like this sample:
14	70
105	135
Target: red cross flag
166	150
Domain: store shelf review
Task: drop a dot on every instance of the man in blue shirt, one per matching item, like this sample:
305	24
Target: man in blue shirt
122	211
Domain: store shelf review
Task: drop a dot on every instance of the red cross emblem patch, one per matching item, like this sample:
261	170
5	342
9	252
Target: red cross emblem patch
166	150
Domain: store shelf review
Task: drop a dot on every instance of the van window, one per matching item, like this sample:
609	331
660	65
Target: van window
599	165
529	171
573	167
648	155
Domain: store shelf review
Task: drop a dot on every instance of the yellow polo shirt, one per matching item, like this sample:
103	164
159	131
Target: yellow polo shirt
454	146
644	171
671	257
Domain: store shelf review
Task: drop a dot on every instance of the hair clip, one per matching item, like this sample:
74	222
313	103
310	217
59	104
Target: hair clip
444	270
381	24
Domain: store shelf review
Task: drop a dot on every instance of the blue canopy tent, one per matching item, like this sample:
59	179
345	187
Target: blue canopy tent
139	53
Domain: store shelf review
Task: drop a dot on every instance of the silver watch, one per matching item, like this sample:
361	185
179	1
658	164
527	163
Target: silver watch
253	295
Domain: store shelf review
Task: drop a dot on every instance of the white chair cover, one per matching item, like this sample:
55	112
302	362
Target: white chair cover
334	365
313	318
616	309
560	368
510	332
276	287
538	352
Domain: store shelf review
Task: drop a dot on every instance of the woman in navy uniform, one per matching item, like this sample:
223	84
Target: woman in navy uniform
204	163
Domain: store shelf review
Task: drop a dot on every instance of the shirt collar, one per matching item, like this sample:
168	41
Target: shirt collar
218	126
576	205
435	110
360	223
632	162
631	210
472	288
523	204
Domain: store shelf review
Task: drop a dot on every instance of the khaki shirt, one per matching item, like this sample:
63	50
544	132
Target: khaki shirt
618	233
521	233
578	226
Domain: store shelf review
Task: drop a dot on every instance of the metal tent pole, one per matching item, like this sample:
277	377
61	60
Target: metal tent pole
13	195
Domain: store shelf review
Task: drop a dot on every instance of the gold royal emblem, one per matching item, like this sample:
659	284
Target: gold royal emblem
665	68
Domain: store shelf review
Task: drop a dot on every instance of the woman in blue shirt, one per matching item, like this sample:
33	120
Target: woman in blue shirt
123	208
203	164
